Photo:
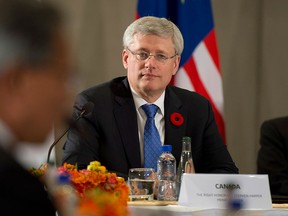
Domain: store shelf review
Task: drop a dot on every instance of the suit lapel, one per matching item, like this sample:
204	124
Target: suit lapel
126	119
174	133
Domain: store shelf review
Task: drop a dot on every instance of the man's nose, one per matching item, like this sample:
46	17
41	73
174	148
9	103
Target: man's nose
150	62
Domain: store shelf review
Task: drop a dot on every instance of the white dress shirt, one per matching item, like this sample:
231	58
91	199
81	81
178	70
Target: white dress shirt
7	138
27	154
141	119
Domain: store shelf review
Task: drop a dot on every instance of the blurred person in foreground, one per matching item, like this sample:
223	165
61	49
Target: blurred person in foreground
34	67
114	132
273	154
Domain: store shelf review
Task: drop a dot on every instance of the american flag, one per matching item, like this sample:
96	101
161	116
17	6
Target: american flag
199	67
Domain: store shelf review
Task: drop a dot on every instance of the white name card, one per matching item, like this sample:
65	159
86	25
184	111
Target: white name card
215	191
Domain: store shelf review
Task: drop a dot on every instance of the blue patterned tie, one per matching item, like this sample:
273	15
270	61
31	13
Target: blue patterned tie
152	141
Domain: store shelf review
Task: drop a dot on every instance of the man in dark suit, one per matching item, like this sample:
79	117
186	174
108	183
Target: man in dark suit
113	133
273	154
34	68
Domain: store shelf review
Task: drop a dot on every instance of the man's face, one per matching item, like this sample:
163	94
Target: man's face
150	77
44	94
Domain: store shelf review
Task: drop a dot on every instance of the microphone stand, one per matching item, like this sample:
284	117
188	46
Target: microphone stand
58	139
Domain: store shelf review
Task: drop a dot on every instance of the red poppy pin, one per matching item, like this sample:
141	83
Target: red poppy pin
176	119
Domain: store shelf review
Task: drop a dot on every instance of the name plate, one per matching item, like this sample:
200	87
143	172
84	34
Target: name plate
217	190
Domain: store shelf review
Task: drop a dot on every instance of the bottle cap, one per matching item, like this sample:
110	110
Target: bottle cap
236	204
64	178
166	148
186	139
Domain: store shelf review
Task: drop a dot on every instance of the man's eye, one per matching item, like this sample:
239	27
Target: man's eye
143	55
161	57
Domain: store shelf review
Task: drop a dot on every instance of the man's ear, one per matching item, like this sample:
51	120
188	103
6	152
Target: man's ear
176	64
125	58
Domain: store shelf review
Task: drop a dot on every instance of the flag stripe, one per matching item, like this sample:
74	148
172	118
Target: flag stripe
182	80
209	75
210	42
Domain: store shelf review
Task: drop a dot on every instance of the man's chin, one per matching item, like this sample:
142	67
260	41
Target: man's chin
148	89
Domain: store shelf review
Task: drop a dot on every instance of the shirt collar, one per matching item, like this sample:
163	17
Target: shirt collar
139	101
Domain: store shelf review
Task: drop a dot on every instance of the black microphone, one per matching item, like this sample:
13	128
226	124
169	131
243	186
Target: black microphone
86	109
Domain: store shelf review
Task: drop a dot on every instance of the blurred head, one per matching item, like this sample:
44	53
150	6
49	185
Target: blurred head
151	55
34	68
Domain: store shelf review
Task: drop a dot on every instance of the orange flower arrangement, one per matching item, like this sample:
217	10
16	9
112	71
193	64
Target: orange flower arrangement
100	192
96	176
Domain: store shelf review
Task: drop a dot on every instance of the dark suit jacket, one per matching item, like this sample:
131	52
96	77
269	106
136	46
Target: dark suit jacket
20	192
110	133
273	154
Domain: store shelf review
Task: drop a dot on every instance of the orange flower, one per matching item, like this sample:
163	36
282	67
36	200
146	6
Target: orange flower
101	193
99	202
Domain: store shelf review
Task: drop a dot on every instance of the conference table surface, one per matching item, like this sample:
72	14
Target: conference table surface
171	208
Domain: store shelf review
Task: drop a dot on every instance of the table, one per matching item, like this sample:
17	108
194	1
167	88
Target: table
170	208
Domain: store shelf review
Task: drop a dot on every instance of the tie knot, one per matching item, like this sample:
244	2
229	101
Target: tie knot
150	110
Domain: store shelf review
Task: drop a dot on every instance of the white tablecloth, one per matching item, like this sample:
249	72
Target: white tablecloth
176	210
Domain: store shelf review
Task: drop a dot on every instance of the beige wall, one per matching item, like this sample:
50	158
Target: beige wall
253	47
252	39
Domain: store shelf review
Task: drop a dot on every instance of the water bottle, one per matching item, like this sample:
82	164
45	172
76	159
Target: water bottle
186	163
166	174
63	193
